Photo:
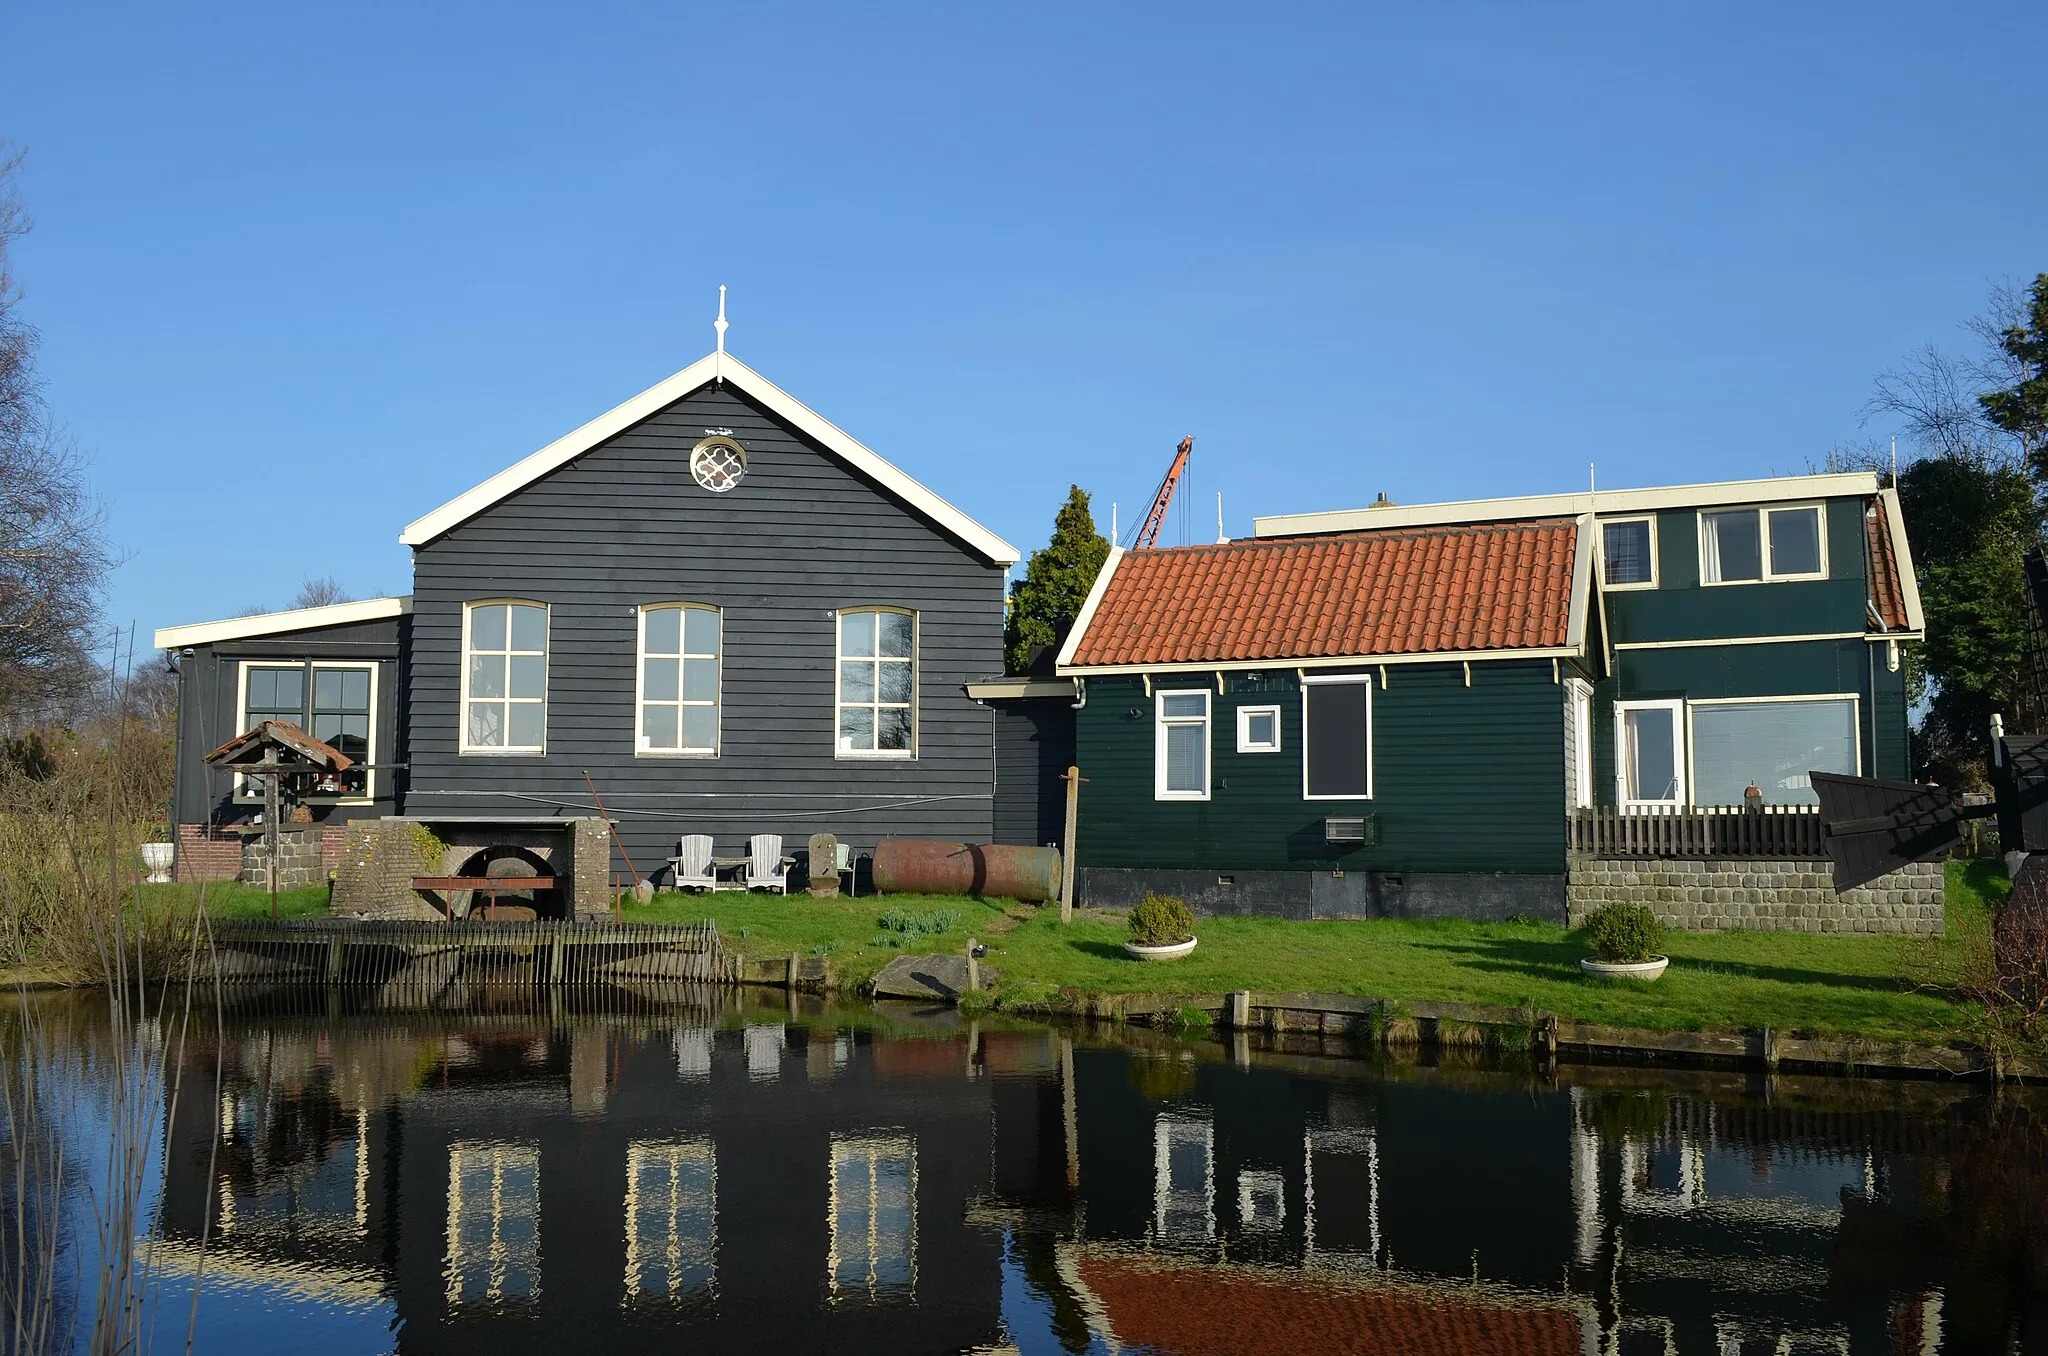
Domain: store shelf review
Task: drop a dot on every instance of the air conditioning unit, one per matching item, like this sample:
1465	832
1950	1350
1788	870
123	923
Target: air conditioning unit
1358	831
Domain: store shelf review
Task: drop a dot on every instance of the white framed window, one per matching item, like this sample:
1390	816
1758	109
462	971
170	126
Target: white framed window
335	701
876	698
1649	754
1772	743
504	676
1578	741
1336	738
1180	745
1628	553
678	695
1751	545
1258	729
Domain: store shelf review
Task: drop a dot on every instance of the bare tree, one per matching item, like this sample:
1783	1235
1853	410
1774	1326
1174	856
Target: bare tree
54	555
322	592
1936	395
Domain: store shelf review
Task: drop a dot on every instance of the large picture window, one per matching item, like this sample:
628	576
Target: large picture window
877	682
333	702
1747	546
1771	744
1336	738
679	649
505	677
1181	746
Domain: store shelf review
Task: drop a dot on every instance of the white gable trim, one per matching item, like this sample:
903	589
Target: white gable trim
1902	552
618	419
1087	616
277	623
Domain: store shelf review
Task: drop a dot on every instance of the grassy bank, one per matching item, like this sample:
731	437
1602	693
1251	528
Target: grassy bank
1874	987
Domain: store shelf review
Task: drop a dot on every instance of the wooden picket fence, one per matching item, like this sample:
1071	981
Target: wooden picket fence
427	961
1699	831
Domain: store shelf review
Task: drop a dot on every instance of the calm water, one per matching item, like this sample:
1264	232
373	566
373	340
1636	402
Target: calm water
747	1177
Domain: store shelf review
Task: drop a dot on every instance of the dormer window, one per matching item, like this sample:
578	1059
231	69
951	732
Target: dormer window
1749	546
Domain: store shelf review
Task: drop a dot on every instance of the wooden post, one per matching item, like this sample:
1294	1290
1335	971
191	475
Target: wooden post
272	807
1067	1112
973	968
1073	779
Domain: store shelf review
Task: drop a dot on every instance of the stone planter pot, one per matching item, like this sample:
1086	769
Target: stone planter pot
157	857
1171	951
1648	969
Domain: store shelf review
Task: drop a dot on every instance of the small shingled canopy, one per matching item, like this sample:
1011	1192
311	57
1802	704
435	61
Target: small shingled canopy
276	750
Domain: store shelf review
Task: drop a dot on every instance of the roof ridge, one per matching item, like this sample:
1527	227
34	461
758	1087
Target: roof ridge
1418	532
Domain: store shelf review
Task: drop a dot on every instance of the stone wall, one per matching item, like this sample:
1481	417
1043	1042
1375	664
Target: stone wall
1761	893
304	856
381	856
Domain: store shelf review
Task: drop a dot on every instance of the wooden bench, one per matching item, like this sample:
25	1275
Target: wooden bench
490	885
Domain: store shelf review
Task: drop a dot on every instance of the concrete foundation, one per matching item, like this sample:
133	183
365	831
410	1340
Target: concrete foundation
1325	894
1766	894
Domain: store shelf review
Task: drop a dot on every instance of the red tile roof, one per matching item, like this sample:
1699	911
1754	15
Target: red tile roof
1228	1311
1885	594
1491	586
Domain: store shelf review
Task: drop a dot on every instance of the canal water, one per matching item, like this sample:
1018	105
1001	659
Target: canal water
741	1175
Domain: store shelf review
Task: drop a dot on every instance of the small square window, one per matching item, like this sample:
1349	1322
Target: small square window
1258	729
1628	553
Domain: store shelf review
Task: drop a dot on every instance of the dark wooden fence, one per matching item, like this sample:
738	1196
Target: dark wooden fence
1699	831
426	961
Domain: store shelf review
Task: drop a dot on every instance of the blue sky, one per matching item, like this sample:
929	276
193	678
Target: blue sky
350	260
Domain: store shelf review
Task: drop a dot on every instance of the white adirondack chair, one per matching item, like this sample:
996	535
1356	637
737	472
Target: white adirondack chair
766	869
692	863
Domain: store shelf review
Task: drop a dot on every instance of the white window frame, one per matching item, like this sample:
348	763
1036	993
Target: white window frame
247	794
1681	753
1245	743
1651	582
1763	514
1854	699
839	657
1372	739
1160	722
641	748
546	665
1579	693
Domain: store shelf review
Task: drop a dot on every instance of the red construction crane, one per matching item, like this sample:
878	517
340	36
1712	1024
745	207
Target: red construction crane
1155	518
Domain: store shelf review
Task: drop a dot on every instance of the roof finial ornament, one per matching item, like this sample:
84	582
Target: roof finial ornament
718	368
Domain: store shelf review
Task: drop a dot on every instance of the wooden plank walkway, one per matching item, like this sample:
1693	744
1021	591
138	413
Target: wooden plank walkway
413	962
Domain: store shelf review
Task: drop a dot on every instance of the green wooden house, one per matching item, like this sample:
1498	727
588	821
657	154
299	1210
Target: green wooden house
1399	710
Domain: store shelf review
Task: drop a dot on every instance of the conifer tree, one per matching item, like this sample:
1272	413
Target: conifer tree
1056	582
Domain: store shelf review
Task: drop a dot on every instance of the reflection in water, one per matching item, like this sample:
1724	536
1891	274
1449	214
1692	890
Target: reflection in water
748	1177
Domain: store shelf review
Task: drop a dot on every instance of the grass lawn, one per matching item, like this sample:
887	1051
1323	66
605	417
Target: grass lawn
1875	987
231	900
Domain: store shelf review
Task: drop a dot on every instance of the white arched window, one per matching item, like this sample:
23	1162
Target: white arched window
876	707
680	644
504	676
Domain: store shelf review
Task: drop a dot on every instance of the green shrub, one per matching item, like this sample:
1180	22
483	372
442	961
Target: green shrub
1161	920
1625	932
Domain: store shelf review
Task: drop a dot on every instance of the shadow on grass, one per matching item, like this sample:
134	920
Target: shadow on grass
1560	960
1102	950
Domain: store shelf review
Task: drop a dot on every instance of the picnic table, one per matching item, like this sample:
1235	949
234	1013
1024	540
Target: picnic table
740	865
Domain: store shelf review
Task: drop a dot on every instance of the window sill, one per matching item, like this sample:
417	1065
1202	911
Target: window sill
503	753
1180	795
675	753
842	756
1769	579
1367	797
1629	588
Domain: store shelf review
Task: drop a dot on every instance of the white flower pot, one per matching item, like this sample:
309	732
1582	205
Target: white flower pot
1171	951
1648	969
157	857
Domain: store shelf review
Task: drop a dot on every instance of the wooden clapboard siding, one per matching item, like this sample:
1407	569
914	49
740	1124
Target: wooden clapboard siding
1464	778
208	687
801	536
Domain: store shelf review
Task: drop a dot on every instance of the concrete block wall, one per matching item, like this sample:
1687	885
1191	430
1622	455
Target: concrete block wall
1762	893
373	878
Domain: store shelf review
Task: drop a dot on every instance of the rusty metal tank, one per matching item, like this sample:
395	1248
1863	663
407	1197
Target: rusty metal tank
924	866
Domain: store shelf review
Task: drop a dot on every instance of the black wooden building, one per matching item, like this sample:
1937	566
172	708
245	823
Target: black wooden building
729	613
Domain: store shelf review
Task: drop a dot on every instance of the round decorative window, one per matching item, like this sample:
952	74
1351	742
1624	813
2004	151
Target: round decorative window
718	463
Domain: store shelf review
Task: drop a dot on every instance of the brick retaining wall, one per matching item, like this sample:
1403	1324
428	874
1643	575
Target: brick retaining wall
1766	894
206	856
